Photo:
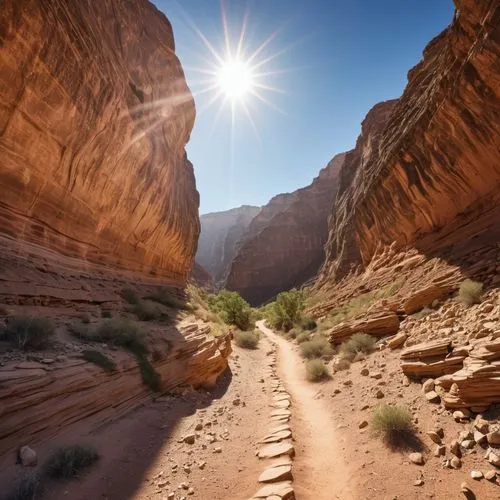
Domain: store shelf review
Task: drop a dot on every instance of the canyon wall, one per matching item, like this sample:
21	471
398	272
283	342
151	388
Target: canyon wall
94	117
219	237
428	175
283	246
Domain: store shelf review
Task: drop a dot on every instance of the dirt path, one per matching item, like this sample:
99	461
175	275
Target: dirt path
319	470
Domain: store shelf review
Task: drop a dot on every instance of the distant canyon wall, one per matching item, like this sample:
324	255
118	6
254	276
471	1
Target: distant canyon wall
95	113
426	169
284	244
219	238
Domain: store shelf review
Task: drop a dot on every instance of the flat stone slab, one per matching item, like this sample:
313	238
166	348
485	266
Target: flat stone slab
276	450
281	413
282	490
277	437
276	474
282	396
282	404
278	428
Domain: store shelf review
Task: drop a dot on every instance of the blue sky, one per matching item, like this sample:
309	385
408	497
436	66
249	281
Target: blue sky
331	61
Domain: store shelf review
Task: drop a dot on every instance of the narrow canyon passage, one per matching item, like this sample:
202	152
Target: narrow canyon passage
319	470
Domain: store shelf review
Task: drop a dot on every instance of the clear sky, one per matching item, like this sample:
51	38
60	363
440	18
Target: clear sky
330	60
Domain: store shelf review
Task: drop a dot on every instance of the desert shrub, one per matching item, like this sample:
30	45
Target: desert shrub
166	297
422	313
122	333
69	461
99	359
130	295
341	364
150	377
28	487
303	337
29	332
106	313
286	310
147	311
233	309
316	370
291	334
308	323
392	424
315	348
358	343
248	340
470	292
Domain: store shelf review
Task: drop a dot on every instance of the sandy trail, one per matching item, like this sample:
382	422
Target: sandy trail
319	470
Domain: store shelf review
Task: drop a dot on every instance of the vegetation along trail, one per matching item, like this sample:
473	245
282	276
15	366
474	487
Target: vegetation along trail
320	472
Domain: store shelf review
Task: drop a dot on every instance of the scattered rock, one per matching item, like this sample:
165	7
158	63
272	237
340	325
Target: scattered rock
490	475
276	450
363	424
455	448
479	437
493	438
27	456
476	474
379	394
440	451
282	490
464	488
365	372
432	397
416	458
434	437
418	482
456	463
428	386
190	438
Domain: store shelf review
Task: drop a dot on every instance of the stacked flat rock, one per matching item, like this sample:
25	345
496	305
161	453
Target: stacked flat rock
477	384
378	324
431	359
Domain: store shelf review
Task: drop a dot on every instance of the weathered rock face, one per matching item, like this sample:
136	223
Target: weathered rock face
283	246
94	117
40	400
426	169
219	236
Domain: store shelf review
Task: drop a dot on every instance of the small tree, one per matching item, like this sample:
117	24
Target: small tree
232	308
286	310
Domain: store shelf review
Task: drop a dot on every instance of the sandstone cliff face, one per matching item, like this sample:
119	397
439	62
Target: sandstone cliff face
94	117
283	246
220	234
428	175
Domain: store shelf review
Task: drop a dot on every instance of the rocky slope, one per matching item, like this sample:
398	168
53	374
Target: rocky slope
427	174
283	246
94	117
219	237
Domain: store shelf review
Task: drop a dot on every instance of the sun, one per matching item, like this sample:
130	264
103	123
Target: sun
235	79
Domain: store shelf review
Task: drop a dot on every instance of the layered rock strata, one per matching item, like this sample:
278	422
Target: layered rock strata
426	169
283	246
220	235
40	400
94	116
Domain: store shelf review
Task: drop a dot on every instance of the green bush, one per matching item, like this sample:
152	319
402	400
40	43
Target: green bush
341	364
470	292
233	309
392	423
122	333
69	461
303	337
147	311
315	348
166	297
150	377
308	323
28	487
130	295
248	340
316	370
29	332
358	343
99	359
286	310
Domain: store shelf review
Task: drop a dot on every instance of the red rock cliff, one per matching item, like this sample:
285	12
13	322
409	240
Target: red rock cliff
94	116
430	175
284	244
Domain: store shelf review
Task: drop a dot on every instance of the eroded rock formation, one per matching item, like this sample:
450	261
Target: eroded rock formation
283	246
426	169
219	237
94	116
